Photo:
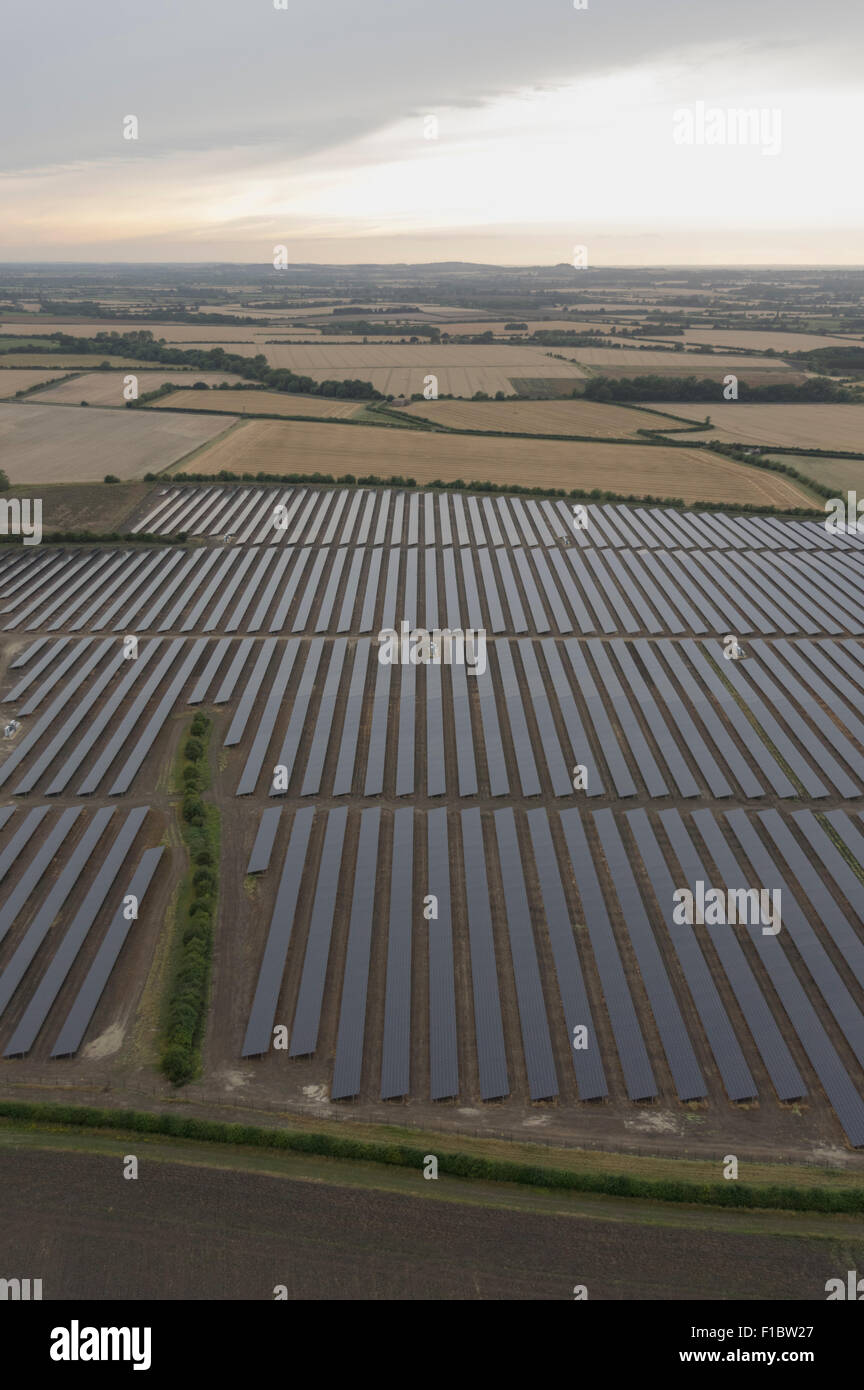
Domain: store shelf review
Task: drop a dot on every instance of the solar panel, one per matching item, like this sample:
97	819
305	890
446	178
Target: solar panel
388	612
784	1074
329	597
624	784
734	715
677	1046
451	589
499	784
812	784
352	587
63	735
462	731
36	869
522	746
518	621
231	588
459	514
587	1061
493	602
736	1075
538	614
304	608
436	784
684	727
209	672
259	859
84	1007
589	588
348	1066
299	711
250	692
833	1076
409	588
277	622
38	929
443	1045
553	598
381	527
398	513
324	721
579	744
828	980
430	590
472	597
259	1030
304	1035
407	716
429	518
615	696
48	719
139	752
396	1037
283	559
534	1024
488	1026
266	724
344	776
559	764
378	735
370	599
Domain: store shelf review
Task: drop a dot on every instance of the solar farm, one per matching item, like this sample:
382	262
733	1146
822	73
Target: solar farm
446	884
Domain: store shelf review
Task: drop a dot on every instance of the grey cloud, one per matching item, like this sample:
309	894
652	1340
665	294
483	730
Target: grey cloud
212	74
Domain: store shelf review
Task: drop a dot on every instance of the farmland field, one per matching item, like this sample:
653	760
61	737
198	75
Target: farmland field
42	444
400	369
539	417
793	426
271	447
763	339
106	388
64	361
329	1230
22	380
633	361
260	403
843	474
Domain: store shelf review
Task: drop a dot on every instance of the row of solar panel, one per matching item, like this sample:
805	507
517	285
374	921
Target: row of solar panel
326	717
505	590
696	977
45	861
300	515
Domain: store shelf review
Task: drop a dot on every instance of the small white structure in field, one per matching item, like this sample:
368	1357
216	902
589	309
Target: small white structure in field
11	728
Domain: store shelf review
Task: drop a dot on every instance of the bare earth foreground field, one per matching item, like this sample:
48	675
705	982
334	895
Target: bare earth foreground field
45	444
268	446
197	1231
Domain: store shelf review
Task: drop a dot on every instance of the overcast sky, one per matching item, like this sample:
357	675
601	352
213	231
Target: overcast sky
311	127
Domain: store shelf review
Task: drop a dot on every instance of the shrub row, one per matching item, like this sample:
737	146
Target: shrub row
722	1194
576	494
186	1006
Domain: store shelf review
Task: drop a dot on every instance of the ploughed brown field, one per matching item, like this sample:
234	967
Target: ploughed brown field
540	417
269	446
190	1232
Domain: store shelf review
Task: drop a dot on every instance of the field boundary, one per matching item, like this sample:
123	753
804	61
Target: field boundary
454	1163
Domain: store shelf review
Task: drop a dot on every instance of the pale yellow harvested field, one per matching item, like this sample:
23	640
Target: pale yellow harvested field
65	361
763	339
401	370
270	446
22	380
539	417
534	325
41	444
106	388
260	403
171	332
677	363
793	426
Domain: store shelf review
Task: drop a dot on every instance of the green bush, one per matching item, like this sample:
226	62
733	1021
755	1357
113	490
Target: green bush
193	750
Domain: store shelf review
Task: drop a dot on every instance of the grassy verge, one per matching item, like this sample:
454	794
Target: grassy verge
185	1012
586	1177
